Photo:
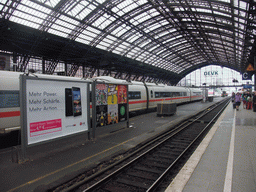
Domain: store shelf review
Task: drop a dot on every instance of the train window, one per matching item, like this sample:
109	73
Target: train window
157	94
9	99
166	94
176	94
134	95
197	93
163	94
151	92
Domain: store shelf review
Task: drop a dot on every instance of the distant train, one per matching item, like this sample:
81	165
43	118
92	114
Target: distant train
142	96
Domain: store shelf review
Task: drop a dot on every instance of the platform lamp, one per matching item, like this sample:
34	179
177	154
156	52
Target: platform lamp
235	81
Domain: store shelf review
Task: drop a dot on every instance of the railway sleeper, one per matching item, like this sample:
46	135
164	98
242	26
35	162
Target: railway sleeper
117	187
143	174
164	155
170	153
147	169
179	149
173	145
155	164
133	183
180	142
160	159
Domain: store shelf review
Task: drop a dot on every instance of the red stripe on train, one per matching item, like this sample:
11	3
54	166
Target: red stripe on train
9	114
154	100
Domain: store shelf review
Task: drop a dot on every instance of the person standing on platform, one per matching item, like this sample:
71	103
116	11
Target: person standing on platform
254	101
233	97
244	99
249	102
238	100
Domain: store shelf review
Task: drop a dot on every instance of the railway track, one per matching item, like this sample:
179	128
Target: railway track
147	167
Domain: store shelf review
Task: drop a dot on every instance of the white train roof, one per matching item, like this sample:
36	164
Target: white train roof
108	79
10	79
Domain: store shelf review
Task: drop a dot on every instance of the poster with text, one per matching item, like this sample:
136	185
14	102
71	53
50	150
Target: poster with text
101	93
112	94
122	112
112	114
55	109
101	115
122	94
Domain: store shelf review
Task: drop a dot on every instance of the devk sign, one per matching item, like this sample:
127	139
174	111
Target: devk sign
211	73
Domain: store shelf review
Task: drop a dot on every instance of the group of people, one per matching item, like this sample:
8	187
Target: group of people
248	99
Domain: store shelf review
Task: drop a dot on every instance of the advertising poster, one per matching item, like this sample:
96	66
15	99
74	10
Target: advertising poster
111	104
122	94
55	109
122	112
101	115
101	94
112	114
112	94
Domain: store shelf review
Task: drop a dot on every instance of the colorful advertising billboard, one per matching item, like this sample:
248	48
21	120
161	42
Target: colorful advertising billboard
111	104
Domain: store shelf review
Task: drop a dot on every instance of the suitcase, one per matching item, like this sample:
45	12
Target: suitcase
234	105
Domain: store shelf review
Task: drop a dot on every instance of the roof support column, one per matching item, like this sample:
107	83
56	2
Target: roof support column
14	61
66	68
43	65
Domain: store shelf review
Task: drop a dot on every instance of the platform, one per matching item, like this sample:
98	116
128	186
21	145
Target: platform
225	160
54	163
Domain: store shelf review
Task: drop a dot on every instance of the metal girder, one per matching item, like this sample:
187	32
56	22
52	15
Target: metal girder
175	36
23	62
8	8
73	70
50	67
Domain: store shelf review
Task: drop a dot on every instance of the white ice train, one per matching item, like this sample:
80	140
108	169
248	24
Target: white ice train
142	96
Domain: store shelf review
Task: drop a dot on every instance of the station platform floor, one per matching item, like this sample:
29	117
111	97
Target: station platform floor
225	160
56	162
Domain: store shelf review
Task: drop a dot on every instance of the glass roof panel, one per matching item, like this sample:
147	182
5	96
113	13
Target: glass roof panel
29	21
225	1
100	1
127	6
104	21
57	32
142	17
121	30
149	28
103	45
203	10
222	14
51	3
83	40
76	10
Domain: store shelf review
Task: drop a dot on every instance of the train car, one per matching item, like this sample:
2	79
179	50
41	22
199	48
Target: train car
9	101
138	97
195	94
142	96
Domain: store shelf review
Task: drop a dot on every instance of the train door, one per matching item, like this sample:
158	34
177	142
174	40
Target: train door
147	96
151	97
190	94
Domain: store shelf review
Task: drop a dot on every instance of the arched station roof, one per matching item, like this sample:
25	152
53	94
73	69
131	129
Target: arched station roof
166	39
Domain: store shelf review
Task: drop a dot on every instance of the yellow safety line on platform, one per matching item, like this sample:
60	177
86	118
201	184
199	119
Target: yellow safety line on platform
67	166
